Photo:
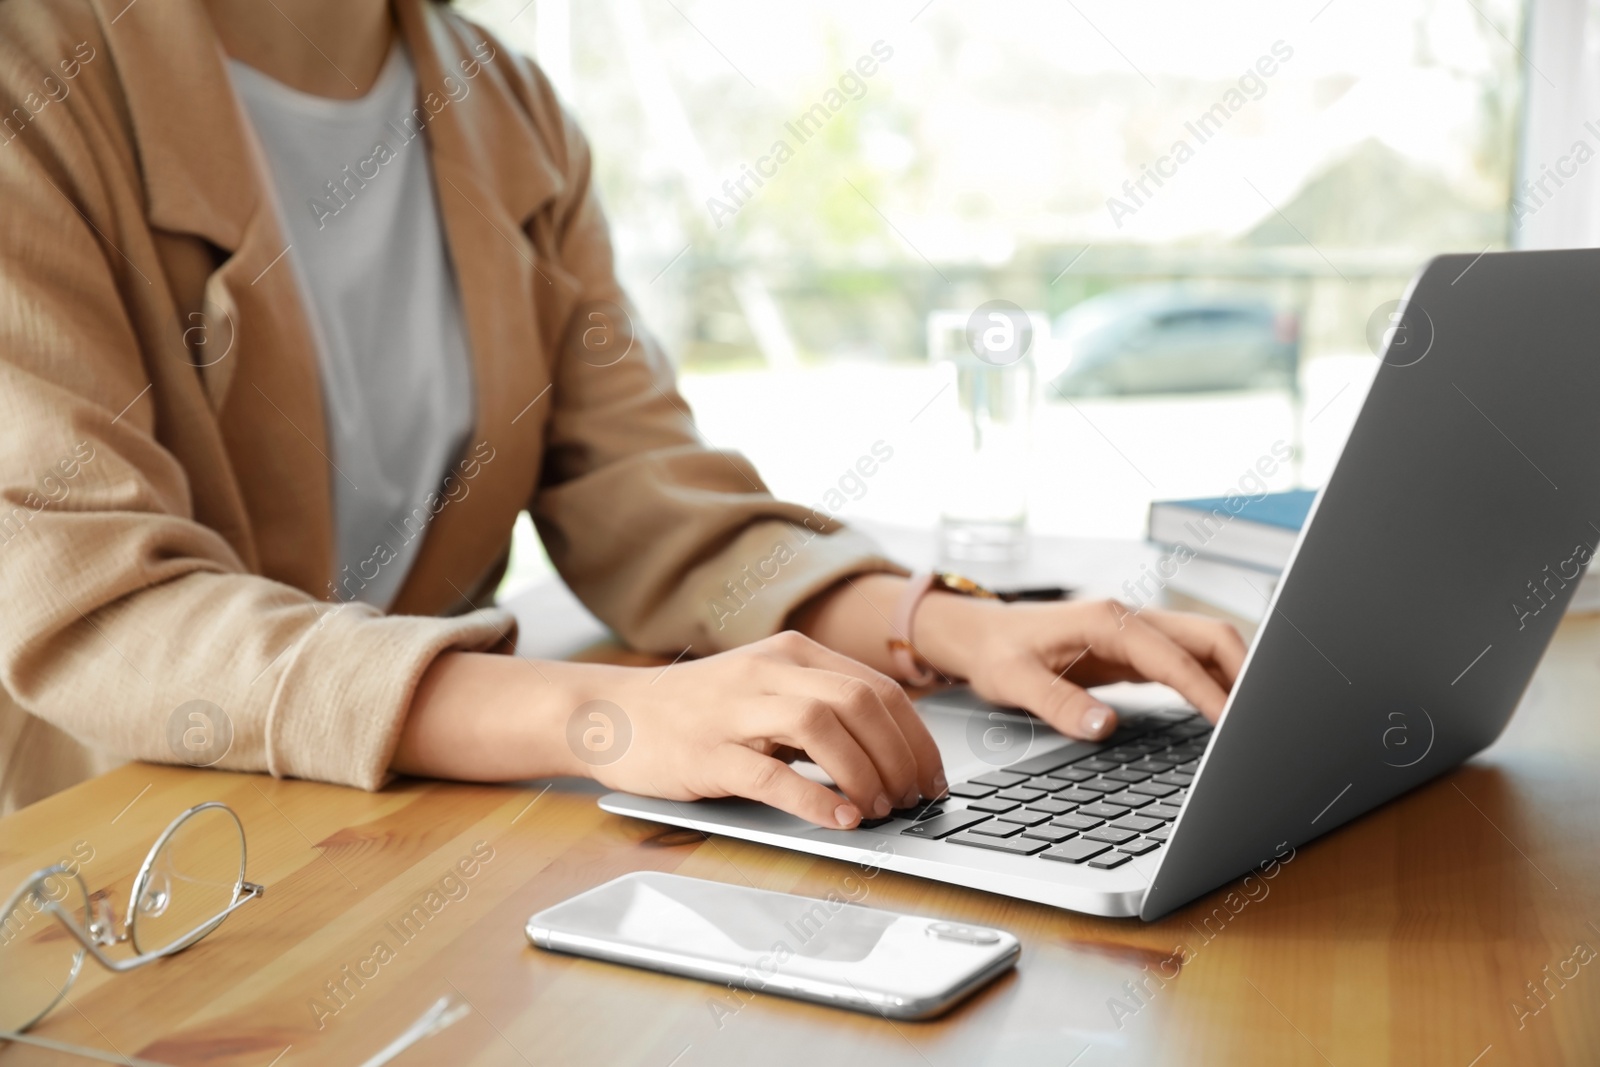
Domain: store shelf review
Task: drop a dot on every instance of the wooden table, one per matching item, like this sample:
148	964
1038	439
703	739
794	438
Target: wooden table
1408	937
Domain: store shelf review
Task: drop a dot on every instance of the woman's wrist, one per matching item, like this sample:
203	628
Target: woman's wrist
854	617
948	631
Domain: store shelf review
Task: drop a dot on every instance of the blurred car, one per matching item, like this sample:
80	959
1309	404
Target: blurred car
1167	339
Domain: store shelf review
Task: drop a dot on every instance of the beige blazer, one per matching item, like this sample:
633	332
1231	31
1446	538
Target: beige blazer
165	515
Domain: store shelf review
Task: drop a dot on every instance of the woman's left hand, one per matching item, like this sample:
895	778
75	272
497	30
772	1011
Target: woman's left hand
1043	656
1037	656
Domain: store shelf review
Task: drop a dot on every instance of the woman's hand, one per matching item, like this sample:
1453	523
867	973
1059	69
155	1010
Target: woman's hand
722	726
1037	656
727	725
1042	657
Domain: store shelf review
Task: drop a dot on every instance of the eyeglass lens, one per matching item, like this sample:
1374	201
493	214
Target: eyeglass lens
39	958
193	877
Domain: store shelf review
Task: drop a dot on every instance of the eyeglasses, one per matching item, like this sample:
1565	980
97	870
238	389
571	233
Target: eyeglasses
191	880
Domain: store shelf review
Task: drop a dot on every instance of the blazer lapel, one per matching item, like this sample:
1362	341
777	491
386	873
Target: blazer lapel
491	176
202	176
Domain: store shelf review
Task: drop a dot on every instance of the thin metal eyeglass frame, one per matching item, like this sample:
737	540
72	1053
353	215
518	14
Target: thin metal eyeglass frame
102	925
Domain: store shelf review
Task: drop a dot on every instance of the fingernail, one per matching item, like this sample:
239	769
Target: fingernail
909	800
1095	720
881	807
845	816
940	785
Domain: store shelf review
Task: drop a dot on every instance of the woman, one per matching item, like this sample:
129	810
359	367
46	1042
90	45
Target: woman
302	304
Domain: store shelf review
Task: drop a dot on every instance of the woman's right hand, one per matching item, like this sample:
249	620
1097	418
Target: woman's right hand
727	725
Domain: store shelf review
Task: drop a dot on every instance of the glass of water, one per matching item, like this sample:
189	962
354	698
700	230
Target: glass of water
984	513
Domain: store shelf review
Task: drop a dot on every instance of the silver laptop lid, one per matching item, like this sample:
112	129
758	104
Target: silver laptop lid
1430	576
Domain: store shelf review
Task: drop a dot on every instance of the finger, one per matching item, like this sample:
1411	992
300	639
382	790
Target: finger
861	711
1160	659
812	725
1027	683
747	773
930	778
1211	641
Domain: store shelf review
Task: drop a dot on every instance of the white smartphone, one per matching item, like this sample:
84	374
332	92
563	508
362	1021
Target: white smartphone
826	950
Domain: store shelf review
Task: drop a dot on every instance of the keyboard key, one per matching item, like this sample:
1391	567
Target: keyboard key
1121	755
993	805
873	824
941	825
1072	753
972	790
1139	847
1072	774
1025	817
1127	774
1076	851
1046	782
1052	834
1101	811
1109	834
1076	821
1161	834
1020	846
1138	824
1151	765
1110	860
1052	806
1190	767
1022	793
918	813
996	828
1078	796
1177	778
1101	785
1154	789
1000	779
1160	811
1128	799
1098	766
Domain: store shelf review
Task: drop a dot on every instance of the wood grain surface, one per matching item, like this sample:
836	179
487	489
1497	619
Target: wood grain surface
1446	928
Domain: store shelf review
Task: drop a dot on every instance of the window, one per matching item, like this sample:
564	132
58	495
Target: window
798	190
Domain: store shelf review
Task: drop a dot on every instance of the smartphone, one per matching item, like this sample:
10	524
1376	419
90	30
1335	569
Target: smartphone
830	951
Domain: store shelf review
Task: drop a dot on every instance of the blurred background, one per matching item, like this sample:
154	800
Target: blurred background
1308	158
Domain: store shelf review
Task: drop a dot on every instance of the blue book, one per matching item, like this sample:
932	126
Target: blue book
1256	531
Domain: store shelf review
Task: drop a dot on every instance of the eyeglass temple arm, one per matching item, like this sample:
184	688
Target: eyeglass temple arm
248	891
77	1050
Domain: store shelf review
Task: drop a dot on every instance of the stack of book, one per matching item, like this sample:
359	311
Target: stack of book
1236	564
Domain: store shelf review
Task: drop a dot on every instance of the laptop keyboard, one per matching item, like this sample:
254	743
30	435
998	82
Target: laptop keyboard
1094	802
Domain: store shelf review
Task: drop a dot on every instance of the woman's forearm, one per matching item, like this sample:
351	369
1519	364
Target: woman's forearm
477	716
490	718
714	727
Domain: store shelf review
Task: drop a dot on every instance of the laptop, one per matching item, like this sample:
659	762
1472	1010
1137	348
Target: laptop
1426	584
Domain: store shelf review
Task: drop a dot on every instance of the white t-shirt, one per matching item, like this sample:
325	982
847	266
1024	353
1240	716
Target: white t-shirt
367	245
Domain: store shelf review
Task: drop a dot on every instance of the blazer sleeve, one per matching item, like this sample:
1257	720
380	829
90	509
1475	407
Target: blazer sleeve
674	544
119	609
